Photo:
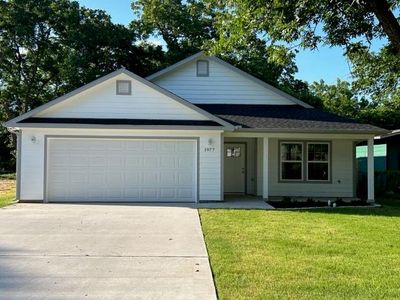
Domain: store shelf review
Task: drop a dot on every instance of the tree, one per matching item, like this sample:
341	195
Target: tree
351	24
339	98
49	47
187	27
343	100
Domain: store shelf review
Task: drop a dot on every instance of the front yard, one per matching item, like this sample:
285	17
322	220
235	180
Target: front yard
7	189
314	254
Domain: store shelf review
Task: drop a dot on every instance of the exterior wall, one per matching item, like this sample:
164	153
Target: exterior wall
342	184
33	157
101	101
222	86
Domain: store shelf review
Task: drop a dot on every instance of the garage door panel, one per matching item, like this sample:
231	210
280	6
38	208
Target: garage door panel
167	178
99	169
168	162
150	162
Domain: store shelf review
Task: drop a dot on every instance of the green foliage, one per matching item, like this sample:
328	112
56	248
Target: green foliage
187	27
352	25
50	47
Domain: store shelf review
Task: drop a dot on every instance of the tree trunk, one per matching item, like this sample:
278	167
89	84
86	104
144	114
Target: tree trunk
388	21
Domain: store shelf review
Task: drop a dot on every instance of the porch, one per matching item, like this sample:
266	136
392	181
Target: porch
280	165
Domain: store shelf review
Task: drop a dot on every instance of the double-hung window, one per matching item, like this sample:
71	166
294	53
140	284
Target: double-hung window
305	161
318	161
291	161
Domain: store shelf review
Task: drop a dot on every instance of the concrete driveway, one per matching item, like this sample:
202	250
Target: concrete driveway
77	251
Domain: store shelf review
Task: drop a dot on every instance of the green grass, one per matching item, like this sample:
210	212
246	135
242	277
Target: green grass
7	176
7	189
7	198
314	254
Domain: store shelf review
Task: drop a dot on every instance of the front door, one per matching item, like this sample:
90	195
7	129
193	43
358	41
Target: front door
234	168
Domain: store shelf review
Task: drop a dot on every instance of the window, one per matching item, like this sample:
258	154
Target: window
202	68
291	161
315	156
124	87
233	152
318	161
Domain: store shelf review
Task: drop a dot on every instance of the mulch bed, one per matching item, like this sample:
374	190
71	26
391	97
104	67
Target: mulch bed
311	204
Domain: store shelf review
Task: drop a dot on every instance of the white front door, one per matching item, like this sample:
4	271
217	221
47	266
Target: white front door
121	170
234	168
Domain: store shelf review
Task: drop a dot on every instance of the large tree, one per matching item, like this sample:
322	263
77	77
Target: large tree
186	27
354	25
49	47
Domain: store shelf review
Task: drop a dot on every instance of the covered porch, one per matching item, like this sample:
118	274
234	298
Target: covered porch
293	165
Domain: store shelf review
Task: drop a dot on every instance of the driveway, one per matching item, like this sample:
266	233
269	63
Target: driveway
77	251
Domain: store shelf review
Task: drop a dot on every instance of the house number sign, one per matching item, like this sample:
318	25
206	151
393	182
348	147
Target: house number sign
209	149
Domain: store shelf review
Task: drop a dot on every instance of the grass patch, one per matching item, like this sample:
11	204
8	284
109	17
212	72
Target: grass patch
7	189
312	254
7	176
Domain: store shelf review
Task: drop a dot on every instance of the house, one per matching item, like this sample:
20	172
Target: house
392	142
195	131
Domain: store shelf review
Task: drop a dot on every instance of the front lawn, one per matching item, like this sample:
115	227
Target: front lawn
7	189
314	254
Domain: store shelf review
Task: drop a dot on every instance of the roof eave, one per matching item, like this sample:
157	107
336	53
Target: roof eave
102	126
314	130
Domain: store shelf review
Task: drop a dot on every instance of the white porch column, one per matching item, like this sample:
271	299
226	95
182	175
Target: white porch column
265	168
371	175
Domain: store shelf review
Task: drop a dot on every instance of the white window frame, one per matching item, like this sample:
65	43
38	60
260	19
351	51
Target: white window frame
319	161
281	161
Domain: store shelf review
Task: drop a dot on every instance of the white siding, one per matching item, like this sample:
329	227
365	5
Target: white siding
222	86
210	168
342	174
33	154
102	101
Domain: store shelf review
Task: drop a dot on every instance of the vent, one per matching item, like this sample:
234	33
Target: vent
202	68
124	87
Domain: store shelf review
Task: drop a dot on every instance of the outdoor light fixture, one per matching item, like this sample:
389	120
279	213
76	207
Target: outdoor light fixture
33	139
210	141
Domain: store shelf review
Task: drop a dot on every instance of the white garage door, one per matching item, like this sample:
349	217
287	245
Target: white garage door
121	170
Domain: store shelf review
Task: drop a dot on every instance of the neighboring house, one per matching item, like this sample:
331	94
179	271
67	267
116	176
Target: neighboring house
392	142
192	132
387	163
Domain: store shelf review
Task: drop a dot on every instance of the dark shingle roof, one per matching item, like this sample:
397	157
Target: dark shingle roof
289	118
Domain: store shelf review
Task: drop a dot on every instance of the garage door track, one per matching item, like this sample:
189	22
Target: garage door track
79	251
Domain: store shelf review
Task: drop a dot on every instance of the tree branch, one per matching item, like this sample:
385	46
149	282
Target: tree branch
388	21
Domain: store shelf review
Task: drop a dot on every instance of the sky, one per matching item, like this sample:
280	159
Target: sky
327	63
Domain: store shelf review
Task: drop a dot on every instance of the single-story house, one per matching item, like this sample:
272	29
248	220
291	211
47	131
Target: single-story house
195	131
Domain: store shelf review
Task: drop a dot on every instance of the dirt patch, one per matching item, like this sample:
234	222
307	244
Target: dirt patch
7	186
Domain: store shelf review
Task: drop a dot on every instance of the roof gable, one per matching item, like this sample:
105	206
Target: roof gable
99	100
225	84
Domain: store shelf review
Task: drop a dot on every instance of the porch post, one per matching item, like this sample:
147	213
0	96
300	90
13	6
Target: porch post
371	175
265	168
